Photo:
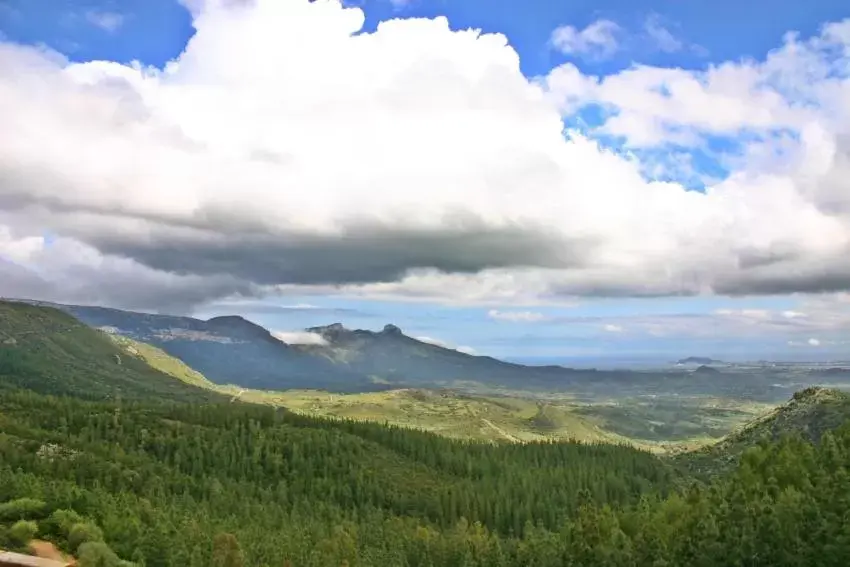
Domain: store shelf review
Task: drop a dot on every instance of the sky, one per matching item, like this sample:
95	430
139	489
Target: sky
563	181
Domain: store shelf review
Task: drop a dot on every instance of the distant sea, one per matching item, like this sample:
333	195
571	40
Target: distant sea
606	363
655	362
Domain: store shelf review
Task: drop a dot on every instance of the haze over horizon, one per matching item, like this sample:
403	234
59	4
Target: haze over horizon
621	180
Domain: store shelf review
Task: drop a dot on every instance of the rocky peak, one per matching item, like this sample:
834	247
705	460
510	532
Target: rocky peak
329	331
390	329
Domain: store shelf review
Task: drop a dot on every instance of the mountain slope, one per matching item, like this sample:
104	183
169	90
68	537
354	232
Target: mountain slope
160	360
397	358
810	413
227	350
232	350
236	351
46	350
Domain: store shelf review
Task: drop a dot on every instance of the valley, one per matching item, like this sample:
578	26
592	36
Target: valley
424	283
387	377
117	453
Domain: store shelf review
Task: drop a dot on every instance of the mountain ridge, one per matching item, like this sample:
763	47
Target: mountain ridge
233	350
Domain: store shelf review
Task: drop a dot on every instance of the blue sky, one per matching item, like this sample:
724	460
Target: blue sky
698	35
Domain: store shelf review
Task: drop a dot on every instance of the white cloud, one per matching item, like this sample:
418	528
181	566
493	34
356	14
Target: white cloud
598	39
611	328
419	164
746	314
432	341
107	21
444	344
300	338
825	316
814	342
516	316
661	37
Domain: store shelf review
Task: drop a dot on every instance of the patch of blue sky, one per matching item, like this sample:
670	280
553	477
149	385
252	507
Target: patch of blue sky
150	31
589	117
49	238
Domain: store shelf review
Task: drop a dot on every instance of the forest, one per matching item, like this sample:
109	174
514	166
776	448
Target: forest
230	484
121	465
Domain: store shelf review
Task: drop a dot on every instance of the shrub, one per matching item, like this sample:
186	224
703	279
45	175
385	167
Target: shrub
83	532
22	509
97	554
22	532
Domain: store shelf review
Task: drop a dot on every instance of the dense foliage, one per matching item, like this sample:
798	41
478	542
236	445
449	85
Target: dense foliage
235	484
279	482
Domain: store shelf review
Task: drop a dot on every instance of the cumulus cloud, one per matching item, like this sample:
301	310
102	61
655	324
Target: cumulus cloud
598	39
286	152
300	338
611	328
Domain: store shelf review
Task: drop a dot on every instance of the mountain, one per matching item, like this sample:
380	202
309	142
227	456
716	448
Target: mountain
698	360
49	351
706	370
233	350
227	350
810	413
394	357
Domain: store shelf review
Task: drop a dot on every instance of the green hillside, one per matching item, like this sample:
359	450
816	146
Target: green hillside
809	414
49	351
162	361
